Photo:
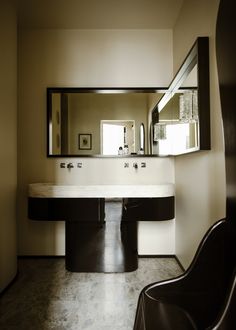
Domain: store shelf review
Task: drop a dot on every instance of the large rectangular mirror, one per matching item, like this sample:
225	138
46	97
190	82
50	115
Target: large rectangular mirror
105	122
134	121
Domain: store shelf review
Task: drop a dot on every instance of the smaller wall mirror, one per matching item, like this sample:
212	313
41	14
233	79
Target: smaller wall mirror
181	119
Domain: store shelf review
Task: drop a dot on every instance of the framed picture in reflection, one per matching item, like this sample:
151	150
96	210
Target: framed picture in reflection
85	141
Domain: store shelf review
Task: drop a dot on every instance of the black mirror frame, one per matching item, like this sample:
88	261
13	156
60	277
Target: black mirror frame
204	92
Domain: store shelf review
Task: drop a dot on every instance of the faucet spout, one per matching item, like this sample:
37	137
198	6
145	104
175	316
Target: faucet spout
70	165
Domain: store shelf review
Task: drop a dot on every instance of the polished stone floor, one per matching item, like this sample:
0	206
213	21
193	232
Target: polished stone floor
46	296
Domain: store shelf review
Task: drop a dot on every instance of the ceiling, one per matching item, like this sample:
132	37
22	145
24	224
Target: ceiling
98	14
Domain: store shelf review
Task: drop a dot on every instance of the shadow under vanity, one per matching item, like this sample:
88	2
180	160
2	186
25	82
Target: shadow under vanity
94	244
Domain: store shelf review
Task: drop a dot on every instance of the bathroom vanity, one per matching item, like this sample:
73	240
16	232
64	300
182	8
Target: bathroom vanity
164	121
88	246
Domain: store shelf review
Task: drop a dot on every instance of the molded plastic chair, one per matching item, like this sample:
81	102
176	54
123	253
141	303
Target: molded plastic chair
193	300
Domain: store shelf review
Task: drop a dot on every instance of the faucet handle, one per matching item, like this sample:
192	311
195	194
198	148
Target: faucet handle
70	165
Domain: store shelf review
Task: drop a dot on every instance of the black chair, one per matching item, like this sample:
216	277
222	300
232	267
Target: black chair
195	299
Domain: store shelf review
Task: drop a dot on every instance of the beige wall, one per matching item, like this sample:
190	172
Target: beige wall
8	116
200	177
82	58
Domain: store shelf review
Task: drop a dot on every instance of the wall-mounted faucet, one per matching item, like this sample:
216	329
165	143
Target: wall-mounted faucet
70	165
135	165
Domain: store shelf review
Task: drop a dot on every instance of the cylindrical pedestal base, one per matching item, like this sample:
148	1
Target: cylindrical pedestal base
92	247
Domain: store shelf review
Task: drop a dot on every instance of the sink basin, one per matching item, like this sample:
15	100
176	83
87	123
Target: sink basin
50	190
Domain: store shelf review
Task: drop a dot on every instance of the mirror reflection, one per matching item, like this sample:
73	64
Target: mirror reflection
134	121
176	130
99	123
142	139
117	137
181	119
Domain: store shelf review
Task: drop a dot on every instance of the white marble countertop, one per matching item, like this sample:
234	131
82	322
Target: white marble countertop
49	190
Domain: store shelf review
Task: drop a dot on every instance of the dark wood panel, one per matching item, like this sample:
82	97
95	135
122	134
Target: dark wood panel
69	209
148	209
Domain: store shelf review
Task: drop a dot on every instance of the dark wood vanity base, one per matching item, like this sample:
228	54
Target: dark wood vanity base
96	245
92	245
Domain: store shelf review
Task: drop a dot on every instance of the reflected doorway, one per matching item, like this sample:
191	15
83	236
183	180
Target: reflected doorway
117	137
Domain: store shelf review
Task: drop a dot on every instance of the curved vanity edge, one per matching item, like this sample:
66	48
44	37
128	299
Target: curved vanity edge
50	190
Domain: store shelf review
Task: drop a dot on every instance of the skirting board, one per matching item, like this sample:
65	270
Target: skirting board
163	256
139	256
10	284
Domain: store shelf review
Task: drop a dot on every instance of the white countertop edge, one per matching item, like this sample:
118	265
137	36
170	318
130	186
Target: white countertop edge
44	190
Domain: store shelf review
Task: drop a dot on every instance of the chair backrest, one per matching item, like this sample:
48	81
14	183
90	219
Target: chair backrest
226	62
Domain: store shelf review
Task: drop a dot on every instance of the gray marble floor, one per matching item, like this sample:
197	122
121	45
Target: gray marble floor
46	296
